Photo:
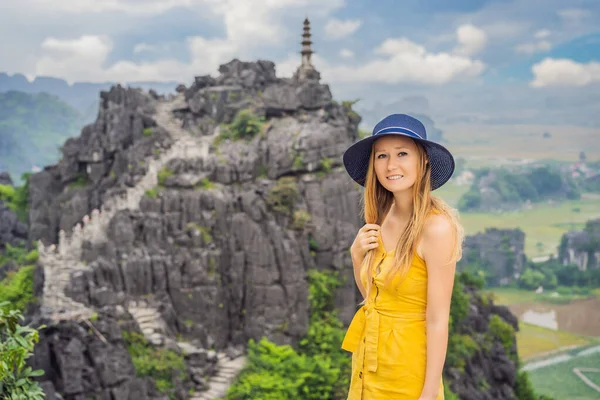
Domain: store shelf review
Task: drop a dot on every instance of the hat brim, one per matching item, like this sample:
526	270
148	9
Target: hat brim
441	161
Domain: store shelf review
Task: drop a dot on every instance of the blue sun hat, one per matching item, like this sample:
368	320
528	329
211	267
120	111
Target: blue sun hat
356	157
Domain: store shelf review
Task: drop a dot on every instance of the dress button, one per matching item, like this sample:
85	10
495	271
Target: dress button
360	374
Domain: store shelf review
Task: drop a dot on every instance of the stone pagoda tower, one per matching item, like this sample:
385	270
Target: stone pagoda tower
306	71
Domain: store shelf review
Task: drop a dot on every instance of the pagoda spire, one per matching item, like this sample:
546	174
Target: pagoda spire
306	44
306	71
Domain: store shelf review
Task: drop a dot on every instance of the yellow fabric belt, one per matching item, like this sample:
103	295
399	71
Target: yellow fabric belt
367	318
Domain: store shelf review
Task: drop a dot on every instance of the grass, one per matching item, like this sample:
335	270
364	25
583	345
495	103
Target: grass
533	340
559	381
543	224
508	296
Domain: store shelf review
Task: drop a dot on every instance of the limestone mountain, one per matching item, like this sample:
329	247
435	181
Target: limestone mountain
80	95
582	248
32	127
177	228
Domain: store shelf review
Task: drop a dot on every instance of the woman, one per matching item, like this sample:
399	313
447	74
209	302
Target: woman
404	261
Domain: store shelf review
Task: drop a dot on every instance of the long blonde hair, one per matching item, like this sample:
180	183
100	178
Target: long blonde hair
377	202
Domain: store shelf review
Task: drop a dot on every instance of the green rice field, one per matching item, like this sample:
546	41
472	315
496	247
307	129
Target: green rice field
561	382
543	224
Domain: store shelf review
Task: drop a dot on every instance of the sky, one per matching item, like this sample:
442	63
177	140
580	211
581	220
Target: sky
484	61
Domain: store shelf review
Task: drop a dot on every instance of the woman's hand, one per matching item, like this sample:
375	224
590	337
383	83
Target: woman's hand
366	239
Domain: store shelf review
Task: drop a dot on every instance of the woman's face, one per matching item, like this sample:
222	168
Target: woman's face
396	161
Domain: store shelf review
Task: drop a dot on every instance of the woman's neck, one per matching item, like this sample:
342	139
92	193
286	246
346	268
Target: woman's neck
402	208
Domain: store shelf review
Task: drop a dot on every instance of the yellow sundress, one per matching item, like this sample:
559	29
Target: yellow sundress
387	336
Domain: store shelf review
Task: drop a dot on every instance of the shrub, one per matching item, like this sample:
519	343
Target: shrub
163	175
245	125
301	219
318	369
17	198
504	332
16	346
160	364
282	197
326	164
17	286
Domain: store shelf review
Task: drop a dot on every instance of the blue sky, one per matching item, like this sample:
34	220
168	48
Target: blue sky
525	61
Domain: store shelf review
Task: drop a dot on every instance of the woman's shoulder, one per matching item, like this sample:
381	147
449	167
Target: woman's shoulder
437	223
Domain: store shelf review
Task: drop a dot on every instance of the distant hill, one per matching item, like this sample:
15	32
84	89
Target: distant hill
32	127
83	96
37	116
496	189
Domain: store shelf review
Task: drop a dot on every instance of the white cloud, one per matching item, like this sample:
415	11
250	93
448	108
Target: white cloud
346	53
530	48
564	72
84	59
137	7
337	29
573	14
401	61
471	40
76	56
542	34
248	25
539	44
152	48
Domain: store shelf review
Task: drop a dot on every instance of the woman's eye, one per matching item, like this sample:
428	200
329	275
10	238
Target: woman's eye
381	155
402	153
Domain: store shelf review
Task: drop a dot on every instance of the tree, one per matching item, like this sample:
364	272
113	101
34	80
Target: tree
16	346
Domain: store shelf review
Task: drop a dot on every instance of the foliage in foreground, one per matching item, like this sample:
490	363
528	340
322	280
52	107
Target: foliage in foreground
16	346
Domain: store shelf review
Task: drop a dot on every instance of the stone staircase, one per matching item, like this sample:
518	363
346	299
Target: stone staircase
227	370
150	322
154	329
64	259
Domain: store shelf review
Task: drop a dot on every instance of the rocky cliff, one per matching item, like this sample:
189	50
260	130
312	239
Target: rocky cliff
499	253
582	248
161	211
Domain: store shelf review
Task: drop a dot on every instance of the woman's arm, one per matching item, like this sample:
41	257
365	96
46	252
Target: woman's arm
356	263
437	247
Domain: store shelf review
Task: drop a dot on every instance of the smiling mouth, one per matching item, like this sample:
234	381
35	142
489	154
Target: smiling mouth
395	177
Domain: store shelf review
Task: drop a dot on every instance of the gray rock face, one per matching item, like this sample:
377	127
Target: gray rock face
500	252
492	362
582	247
80	363
5	179
108	156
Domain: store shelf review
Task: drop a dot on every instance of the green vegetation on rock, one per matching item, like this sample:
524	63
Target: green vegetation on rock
16	287
16	198
283	195
245	125
317	369
164	366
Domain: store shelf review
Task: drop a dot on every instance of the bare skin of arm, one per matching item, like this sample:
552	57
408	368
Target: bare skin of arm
366	239
437	246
